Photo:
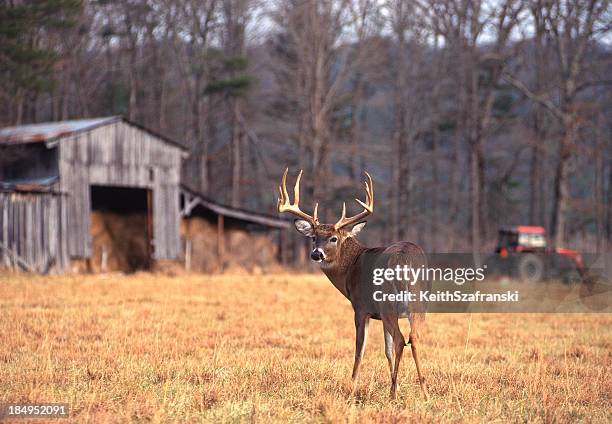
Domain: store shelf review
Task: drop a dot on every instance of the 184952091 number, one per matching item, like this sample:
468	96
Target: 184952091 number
34	410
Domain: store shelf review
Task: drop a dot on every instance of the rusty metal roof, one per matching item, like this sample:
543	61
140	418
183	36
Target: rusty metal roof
34	133
196	198
48	131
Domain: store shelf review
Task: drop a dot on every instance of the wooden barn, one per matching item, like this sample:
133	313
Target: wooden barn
105	194
55	176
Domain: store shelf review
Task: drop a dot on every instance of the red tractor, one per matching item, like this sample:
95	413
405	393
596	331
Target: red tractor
522	252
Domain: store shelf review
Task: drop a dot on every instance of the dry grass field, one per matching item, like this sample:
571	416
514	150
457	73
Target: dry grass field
220	348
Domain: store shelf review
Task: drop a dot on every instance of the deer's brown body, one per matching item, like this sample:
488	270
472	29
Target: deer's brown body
349	266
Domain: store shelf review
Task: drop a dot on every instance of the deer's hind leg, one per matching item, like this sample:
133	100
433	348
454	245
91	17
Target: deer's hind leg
389	349
413	339
392	326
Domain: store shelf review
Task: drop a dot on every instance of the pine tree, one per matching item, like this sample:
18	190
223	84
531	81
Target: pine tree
26	56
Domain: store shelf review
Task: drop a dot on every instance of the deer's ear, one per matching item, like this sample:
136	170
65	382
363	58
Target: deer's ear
304	227
357	229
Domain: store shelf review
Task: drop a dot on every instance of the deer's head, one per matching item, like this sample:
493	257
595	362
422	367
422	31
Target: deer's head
327	239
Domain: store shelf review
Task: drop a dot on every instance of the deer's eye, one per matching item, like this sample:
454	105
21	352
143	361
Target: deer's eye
314	239
333	239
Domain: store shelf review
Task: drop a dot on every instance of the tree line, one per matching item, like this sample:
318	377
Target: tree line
469	114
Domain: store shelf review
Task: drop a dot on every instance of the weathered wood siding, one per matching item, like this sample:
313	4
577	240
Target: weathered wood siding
122	155
33	225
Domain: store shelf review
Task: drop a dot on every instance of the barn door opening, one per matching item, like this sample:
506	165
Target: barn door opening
121	229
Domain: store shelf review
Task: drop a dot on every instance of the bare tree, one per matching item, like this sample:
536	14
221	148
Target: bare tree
412	107
539	118
571	26
399	15
236	14
366	21
314	67
464	25
130	17
193	53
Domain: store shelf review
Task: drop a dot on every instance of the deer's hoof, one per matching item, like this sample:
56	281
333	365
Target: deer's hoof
393	392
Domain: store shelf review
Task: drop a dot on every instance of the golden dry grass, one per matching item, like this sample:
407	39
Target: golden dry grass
245	348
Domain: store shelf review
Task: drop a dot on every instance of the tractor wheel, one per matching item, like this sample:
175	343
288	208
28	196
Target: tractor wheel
531	268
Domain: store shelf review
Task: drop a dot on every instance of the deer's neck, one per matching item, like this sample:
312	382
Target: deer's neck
338	271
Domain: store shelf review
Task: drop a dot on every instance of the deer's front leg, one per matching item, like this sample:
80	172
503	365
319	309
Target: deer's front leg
361	333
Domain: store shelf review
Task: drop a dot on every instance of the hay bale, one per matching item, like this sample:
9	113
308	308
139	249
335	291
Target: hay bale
121	238
168	267
203	236
244	252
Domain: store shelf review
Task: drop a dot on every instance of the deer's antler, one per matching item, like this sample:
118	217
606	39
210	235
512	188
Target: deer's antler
368	207
284	204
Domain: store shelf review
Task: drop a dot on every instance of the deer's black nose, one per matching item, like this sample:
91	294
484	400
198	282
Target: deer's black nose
316	255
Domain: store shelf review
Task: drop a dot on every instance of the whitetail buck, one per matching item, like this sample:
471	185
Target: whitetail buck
349	266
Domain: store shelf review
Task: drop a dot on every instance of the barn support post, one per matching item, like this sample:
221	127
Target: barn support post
150	239
188	254
221	239
15	261
5	227
104	259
